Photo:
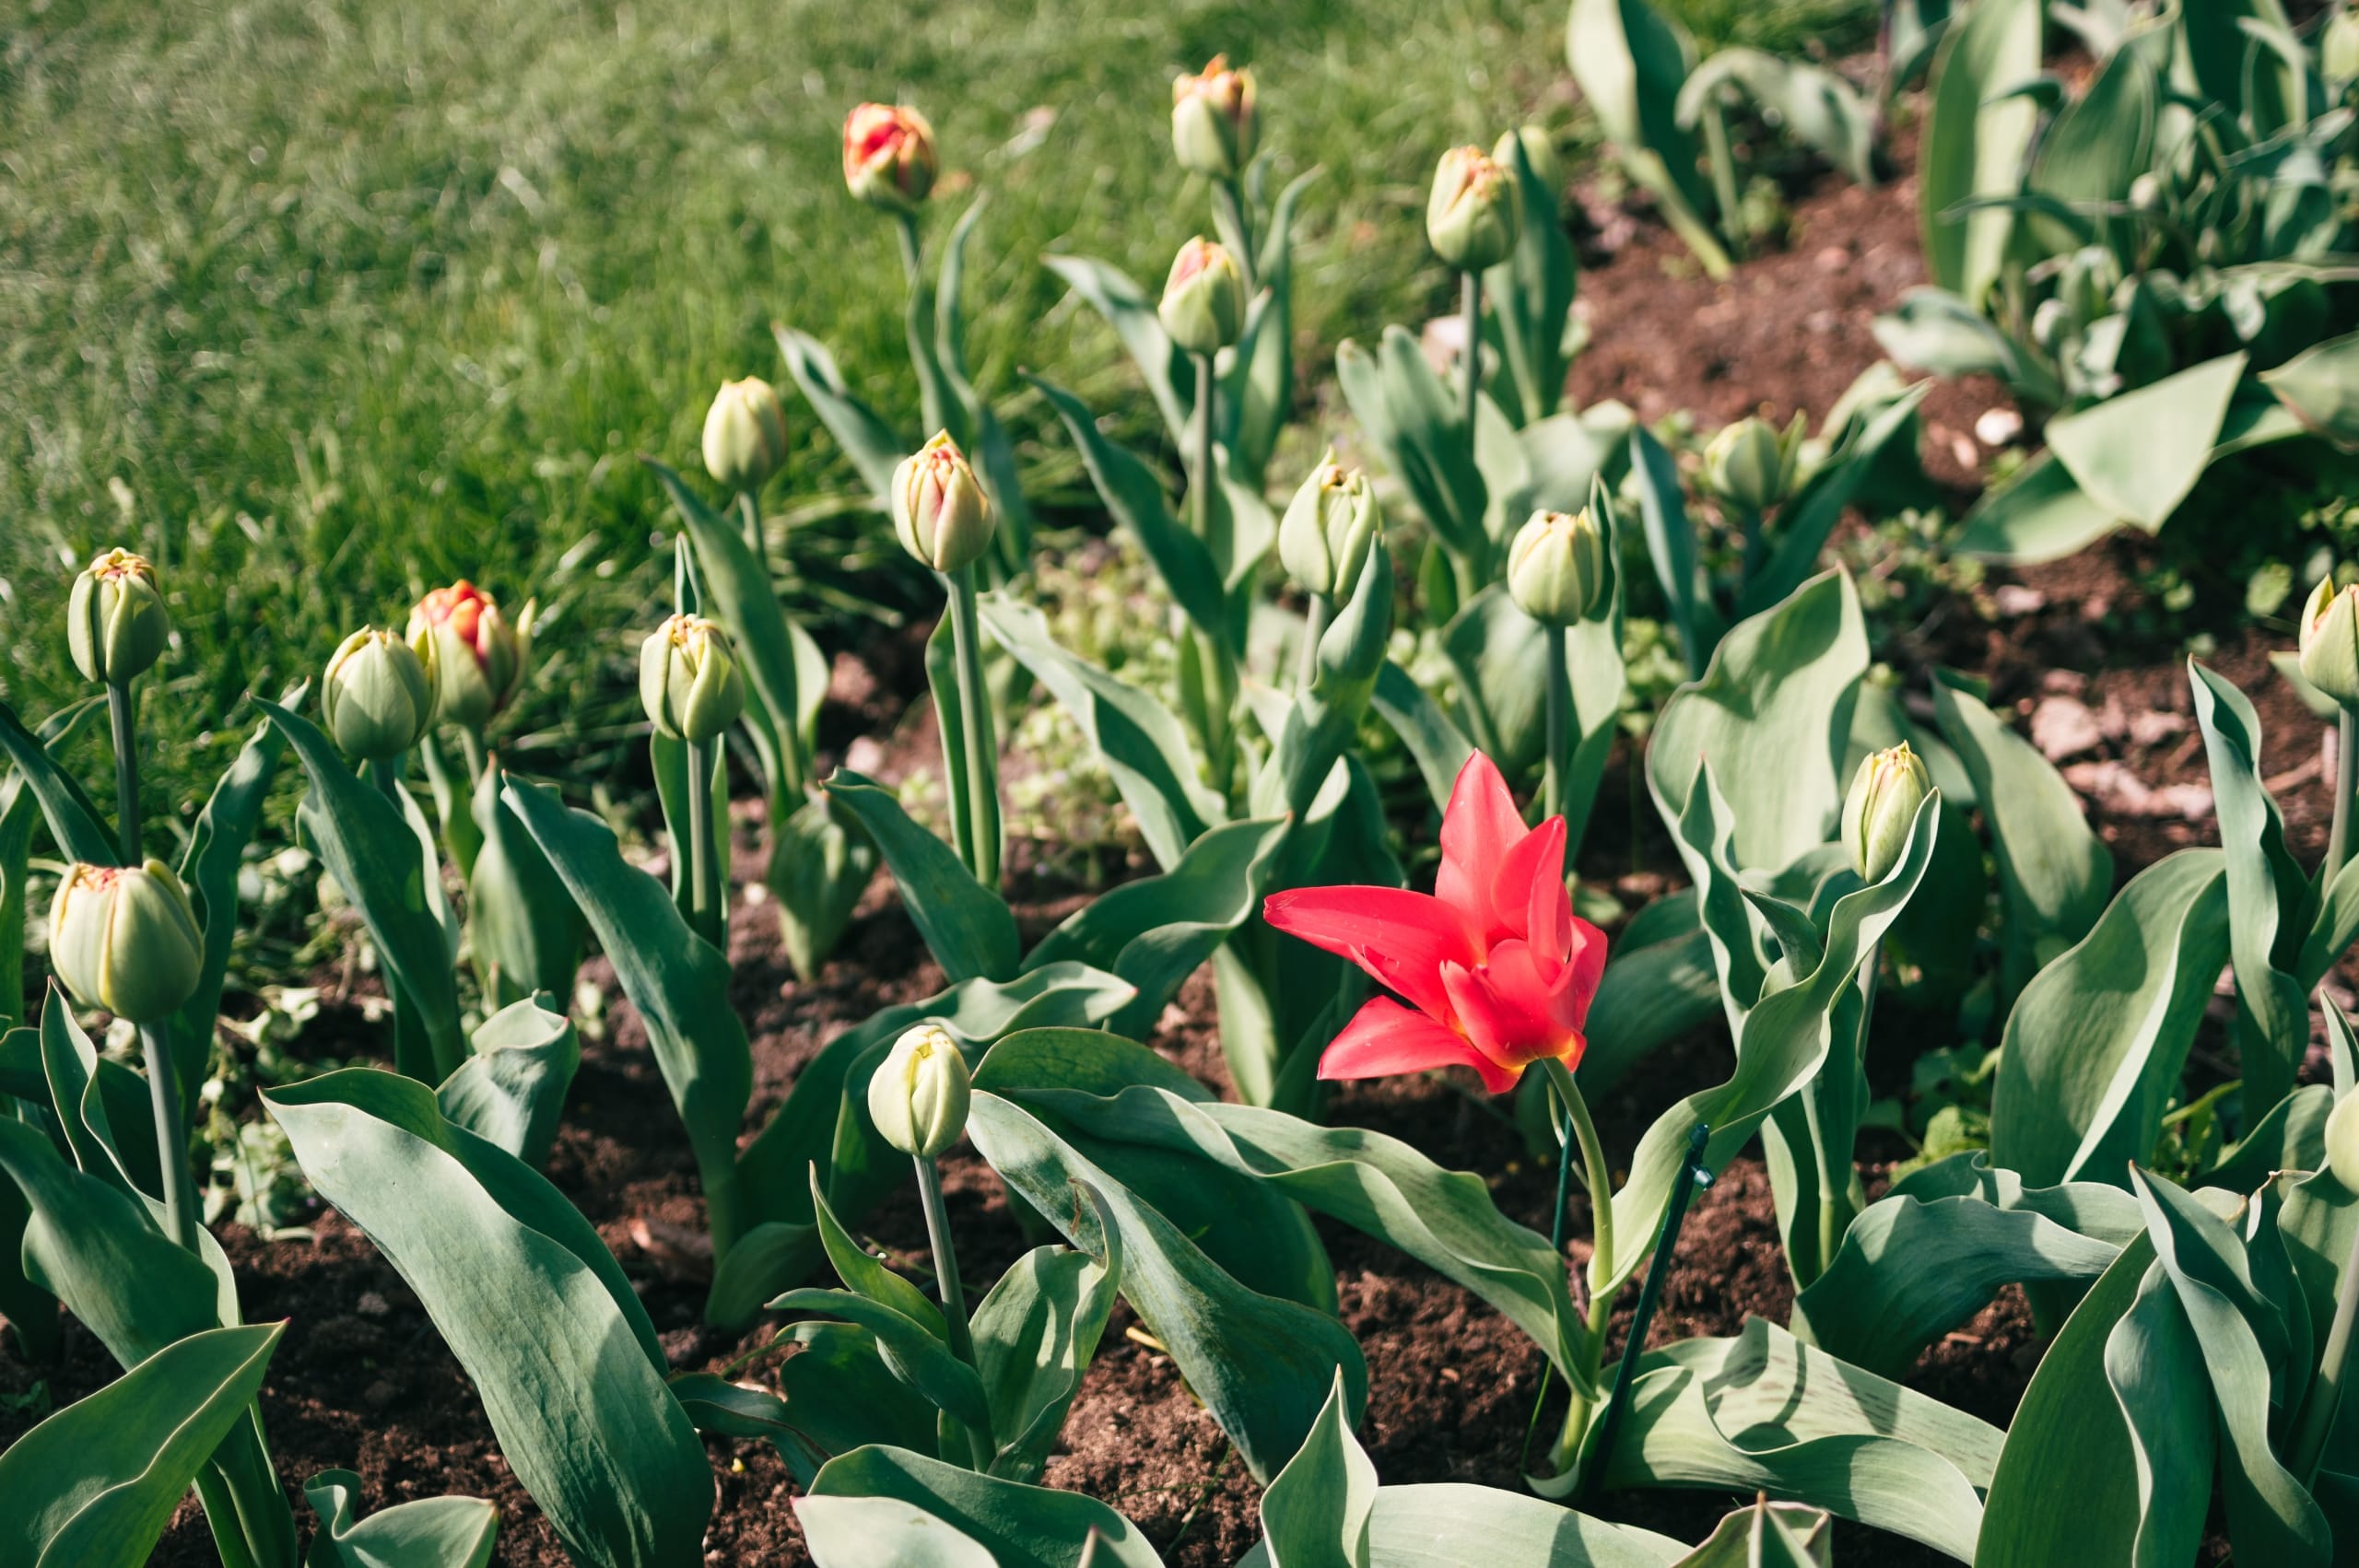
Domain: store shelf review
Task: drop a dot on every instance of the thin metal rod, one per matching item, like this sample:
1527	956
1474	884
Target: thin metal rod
1692	1175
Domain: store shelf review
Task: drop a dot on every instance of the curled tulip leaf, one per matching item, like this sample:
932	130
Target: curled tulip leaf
1017	1526
433	1532
512	1090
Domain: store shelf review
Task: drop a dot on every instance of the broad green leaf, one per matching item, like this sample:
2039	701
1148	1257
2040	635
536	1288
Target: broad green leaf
871	444
1495	652
1671	545
2321	386
1129	311
524	925
1767	1535
94	1485
89	1094
1630	62
373	854
72	817
1933	329
1772	714
1316	1511
1141	743
2096	1044
433	1532
2040	515
1417	425
821	862
1532	296
2054	874
2137	454
967	926
1035	1334
835	1395
1438	746
1263	389
1261	1365
2150	1361
18	812
675	979
2097	144
1650	995
1806	522
1020	1526
1453	1525
1812	104
511	1091
1762	1411
861	1532
216	848
530	1302
1974	140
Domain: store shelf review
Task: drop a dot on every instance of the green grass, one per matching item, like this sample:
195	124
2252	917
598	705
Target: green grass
322	302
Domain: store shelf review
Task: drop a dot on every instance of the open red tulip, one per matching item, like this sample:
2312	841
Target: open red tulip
1496	967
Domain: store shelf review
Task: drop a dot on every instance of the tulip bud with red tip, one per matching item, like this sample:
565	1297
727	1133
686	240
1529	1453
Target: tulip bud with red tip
126	939
478	654
939	509
1203	300
115	622
888	156
1473	217
1214	125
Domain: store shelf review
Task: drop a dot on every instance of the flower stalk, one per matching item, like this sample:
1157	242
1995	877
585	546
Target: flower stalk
126	769
1557	763
2326	1391
975	725
171	1148
704	903
2346	784
1469	296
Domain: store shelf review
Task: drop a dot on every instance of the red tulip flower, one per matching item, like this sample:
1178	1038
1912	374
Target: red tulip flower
1498	971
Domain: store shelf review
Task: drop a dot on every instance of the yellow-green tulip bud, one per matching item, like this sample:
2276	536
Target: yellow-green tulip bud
127	940
1214	122
1473	216
918	1098
888	156
1750	464
1323	540
2330	640
2339	59
689	679
1881	808
2342	1142
745	434
1539	151
115	622
1203	300
939	508
1556	567
378	697
477	656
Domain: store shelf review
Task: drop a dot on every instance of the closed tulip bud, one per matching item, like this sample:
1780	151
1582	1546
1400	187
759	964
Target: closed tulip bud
1539	152
1474	218
2342	1142
478	655
689	679
1881	808
2339	58
1214	122
1324	537
115	622
2330	640
127	940
2146	193
745	434
1750	464
378	697
1203	300
918	1098
888	156
939	508
1556	567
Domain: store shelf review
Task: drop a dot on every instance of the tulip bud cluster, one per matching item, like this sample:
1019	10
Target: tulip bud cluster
1324	538
939	509
1881	808
115	622
126	939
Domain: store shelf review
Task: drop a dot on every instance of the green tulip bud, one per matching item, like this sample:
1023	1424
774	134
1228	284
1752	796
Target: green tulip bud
1881	808
115	622
917	1097
1751	465
939	508
2339	59
1214	122
127	940
1203	300
1324	537
889	159
1556	567
1473	216
688	680
2342	1142
1539	152
745	434
378	697
478	655
2330	640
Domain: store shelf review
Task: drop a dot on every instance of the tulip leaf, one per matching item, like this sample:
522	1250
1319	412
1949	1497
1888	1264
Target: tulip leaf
1805	523
967	926
19	810
2040	515
73	818
523	926
1438	745
1651	994
1017	1526
433	1532
675	979
511	1091
835	1395
1454	1525
1772	714
1974	140
857	1532
1131	314
1157	930
1260	391
1630	61
2094	1047
216	849
914	1350
871	444
1671	545
739	595
1814	105
370	850
2138	454
578	1402
1493	648
95	1484
1035	1335
1531	293
1762	1411
1142	743
821	862
1767	1535
1260	1365
1417	425
1932	329
1317	1511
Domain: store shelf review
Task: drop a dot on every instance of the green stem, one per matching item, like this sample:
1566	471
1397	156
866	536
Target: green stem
704	909
471	747
1470	294
1216	659
1199	471
1558	764
912	263
2326	1393
126	769
1230	196
1716	154
954	1292
220	1505
1314	626
172	1143
1598	1178
2346	781
749	517
975	722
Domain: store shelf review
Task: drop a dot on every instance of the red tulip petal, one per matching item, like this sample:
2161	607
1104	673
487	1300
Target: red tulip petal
1478	829
1400	938
1385	1038
1587	965
1530	890
1510	1012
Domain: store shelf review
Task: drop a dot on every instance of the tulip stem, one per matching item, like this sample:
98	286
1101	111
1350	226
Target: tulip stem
1558	763
171	1141
703	906
749	515
471	747
2346	783
975	723
1216	657
1230	197
1314	626
1470	290
126	769
954	1293
1577	1128
2325	1392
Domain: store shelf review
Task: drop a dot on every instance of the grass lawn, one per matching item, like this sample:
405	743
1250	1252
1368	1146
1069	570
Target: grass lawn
321	302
